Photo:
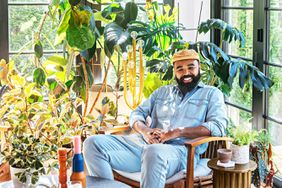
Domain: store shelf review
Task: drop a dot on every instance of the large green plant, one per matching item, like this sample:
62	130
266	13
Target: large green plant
219	69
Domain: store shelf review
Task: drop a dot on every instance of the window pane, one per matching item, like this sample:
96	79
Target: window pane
24	63
275	45
242	20
239	117
241	97
23	22
275	93
276	3
239	3
275	134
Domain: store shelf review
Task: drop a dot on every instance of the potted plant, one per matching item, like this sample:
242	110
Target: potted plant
241	143
40	121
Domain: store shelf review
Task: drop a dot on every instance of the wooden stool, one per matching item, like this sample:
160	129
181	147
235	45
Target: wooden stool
234	177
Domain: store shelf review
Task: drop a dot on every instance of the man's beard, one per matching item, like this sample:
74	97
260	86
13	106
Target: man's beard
187	87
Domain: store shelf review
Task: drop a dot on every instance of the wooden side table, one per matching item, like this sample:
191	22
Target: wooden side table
234	177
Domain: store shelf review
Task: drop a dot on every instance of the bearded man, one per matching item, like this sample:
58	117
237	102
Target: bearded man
178	113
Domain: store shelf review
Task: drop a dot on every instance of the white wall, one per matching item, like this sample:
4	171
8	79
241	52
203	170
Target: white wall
189	11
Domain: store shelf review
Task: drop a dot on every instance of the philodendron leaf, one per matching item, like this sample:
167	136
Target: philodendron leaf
81	38
39	76
38	49
115	35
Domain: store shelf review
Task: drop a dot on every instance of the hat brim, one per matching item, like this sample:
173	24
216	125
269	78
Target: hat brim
185	58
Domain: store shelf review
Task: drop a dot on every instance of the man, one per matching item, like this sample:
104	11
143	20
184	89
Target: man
179	112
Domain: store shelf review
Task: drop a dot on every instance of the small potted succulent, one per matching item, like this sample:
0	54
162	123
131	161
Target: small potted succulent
241	144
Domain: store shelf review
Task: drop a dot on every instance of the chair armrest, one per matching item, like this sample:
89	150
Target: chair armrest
191	144
114	129
205	139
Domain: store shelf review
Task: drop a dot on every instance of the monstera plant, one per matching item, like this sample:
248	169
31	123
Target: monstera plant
218	68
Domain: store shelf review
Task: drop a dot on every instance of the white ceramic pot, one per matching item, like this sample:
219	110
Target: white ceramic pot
240	154
16	180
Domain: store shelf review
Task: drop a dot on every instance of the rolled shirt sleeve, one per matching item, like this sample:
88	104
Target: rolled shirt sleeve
216	119
143	110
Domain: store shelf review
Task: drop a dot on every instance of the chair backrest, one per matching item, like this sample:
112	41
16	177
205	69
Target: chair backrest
211	152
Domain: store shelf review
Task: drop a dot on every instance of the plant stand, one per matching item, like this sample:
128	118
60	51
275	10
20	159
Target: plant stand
238	176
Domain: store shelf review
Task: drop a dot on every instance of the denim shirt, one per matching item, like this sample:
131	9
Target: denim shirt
169	109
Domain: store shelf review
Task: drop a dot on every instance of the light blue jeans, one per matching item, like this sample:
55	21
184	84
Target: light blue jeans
157	162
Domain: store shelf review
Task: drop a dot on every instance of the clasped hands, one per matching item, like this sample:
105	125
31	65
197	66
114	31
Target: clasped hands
155	135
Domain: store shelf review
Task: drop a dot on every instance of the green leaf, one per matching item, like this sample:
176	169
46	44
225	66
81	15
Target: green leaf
130	13
74	2
81	38
39	76
115	35
38	49
89	53
56	60
64	23
152	82
230	33
52	82
113	8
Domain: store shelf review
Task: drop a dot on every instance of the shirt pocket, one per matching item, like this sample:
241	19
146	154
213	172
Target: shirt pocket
164	108
197	109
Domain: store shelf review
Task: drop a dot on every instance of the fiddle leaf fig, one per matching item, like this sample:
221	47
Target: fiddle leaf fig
81	38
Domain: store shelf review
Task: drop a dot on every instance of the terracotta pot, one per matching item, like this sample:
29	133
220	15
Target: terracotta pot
224	155
240	154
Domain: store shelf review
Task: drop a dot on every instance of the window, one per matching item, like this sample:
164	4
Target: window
25	17
251	107
274	69
239	14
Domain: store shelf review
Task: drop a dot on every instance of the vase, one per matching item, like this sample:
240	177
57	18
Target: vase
16	181
240	154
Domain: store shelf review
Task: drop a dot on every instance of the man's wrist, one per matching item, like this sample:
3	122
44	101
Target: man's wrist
178	132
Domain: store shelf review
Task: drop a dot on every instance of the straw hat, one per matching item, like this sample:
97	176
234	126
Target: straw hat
184	55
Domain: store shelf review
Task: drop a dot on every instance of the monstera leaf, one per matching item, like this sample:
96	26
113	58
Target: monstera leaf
226	67
115	35
229	33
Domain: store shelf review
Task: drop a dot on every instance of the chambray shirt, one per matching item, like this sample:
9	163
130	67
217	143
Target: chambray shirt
169	109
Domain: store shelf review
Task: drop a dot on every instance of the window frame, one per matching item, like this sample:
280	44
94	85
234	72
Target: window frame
261	20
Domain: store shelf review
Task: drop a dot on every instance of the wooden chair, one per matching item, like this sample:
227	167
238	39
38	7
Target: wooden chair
189	181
